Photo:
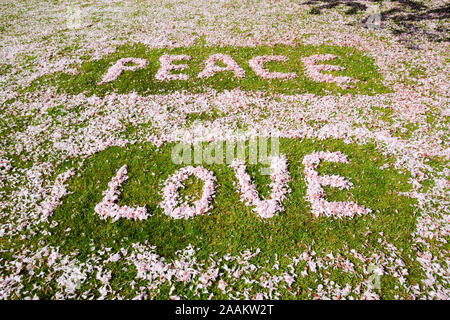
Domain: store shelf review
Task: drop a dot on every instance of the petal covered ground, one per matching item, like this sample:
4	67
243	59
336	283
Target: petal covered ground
69	126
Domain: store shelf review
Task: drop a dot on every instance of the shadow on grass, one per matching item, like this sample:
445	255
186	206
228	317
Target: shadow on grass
403	20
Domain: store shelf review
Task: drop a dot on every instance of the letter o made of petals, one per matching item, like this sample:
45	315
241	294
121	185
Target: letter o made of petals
170	193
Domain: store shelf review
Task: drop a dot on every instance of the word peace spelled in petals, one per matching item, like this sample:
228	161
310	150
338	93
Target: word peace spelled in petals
316	194
257	64
108	206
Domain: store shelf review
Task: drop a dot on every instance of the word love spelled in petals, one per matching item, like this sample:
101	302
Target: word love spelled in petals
108	208
267	208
